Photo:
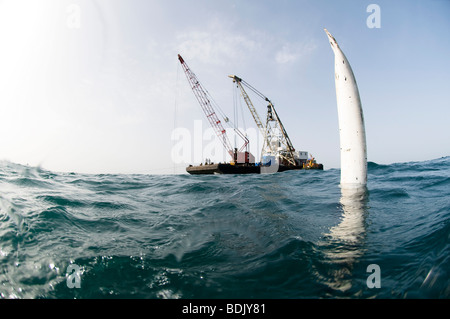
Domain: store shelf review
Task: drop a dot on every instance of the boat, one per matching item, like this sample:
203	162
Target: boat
228	168
278	153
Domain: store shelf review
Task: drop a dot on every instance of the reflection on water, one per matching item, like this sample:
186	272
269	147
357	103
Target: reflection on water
344	244
351	228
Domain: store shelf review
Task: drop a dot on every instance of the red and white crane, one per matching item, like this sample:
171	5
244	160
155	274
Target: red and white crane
204	99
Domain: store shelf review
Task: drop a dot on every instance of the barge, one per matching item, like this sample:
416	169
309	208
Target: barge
246	168
277	155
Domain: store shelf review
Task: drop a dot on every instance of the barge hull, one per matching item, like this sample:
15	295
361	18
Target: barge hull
237	169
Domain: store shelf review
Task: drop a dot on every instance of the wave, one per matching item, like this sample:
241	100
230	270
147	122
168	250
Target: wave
286	235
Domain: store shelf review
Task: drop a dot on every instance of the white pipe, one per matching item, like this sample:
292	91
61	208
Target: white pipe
351	122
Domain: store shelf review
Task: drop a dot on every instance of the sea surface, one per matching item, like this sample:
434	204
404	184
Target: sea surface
295	234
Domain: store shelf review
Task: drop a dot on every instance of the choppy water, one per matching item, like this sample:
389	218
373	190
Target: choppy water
287	235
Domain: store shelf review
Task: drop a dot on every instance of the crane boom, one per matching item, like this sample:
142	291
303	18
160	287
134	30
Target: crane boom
205	102
271	116
287	141
249	103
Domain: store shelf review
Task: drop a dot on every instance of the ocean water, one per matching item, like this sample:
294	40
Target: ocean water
288	235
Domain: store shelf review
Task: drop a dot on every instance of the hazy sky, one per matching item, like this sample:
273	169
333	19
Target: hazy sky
96	87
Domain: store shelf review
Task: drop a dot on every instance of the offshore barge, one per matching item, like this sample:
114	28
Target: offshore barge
271	166
278	154
227	168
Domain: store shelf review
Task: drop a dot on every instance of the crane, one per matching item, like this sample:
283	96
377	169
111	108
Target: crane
204	100
249	103
268	131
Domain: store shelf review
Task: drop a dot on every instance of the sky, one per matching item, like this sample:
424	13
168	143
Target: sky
96	87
